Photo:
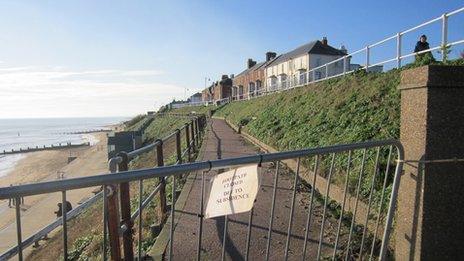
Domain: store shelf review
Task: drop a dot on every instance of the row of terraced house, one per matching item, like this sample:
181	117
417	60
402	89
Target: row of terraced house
278	72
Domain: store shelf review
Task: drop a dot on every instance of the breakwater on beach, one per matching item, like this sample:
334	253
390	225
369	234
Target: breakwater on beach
20	134
45	147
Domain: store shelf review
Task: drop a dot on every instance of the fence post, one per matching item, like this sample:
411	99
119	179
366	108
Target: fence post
124	191
192	134
398	50
178	147
367	58
162	192
444	37
187	140
344	65
429	216
113	216
197	132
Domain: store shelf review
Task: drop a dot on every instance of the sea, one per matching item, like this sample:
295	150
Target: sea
23	133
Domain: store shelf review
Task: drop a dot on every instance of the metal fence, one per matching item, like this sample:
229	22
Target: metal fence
183	143
342	66
332	176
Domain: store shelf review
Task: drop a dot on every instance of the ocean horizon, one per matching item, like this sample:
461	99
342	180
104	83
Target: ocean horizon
32	132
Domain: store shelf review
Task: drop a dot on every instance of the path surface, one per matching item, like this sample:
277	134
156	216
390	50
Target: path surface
221	141
38	210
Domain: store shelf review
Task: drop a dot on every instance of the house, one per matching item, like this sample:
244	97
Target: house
251	81
291	68
219	90
207	94
223	88
196	98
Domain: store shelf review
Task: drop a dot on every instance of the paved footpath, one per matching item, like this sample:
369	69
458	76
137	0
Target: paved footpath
221	141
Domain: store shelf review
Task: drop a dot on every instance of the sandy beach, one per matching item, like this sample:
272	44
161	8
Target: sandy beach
45	166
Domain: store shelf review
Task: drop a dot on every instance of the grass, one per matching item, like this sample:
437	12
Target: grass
354	108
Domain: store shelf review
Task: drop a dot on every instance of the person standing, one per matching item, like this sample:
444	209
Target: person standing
422	45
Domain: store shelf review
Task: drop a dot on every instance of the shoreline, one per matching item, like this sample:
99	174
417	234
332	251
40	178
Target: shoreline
45	166
34	167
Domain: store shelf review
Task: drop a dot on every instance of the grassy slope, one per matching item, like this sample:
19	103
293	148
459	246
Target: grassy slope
354	108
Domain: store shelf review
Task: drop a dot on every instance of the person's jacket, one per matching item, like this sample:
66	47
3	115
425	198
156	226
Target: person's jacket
421	46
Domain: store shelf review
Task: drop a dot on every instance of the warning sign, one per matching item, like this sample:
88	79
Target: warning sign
233	192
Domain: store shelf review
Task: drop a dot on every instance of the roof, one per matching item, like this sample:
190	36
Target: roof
254	67
314	47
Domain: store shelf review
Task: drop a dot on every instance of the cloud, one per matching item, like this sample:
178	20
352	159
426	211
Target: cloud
32	92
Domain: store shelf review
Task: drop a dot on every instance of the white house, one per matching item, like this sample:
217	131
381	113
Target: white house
292	67
196	98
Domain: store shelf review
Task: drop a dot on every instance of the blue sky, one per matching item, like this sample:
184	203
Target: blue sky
121	58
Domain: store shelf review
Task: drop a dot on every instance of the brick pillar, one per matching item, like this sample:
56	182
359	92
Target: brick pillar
430	214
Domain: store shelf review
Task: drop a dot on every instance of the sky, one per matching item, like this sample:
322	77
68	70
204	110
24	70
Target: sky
91	58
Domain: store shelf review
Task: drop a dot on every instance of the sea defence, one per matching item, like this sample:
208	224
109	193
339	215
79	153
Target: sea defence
45	147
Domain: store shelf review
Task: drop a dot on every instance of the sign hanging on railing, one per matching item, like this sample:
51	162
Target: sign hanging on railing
233	192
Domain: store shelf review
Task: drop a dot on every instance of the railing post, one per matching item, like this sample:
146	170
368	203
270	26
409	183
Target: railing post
162	192
187	140
113	216
344	64
178	147
367	58
124	191
398	50
326	70
197	123
192	134
444	37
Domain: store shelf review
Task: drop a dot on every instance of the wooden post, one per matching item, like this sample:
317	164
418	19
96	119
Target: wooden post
162	192
178	147
187	139
113	222
126	210
192	132
197	131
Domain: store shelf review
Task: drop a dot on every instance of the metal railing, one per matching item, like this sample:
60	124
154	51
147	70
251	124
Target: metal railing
327	162
330	70
113	225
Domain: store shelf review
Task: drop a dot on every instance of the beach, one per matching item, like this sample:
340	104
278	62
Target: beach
45	166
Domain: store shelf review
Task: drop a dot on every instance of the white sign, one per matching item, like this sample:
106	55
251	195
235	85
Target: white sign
233	192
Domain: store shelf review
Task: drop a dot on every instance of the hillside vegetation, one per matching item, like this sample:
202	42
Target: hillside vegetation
353	108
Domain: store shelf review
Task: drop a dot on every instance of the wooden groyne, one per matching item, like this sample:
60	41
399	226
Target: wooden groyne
85	131
44	147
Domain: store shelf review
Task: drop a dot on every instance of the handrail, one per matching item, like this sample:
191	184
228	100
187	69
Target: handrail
113	166
160	172
50	227
328	70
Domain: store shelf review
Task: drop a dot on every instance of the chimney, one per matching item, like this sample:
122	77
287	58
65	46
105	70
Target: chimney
232	76
324	40
270	56
224	76
250	63
343	49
